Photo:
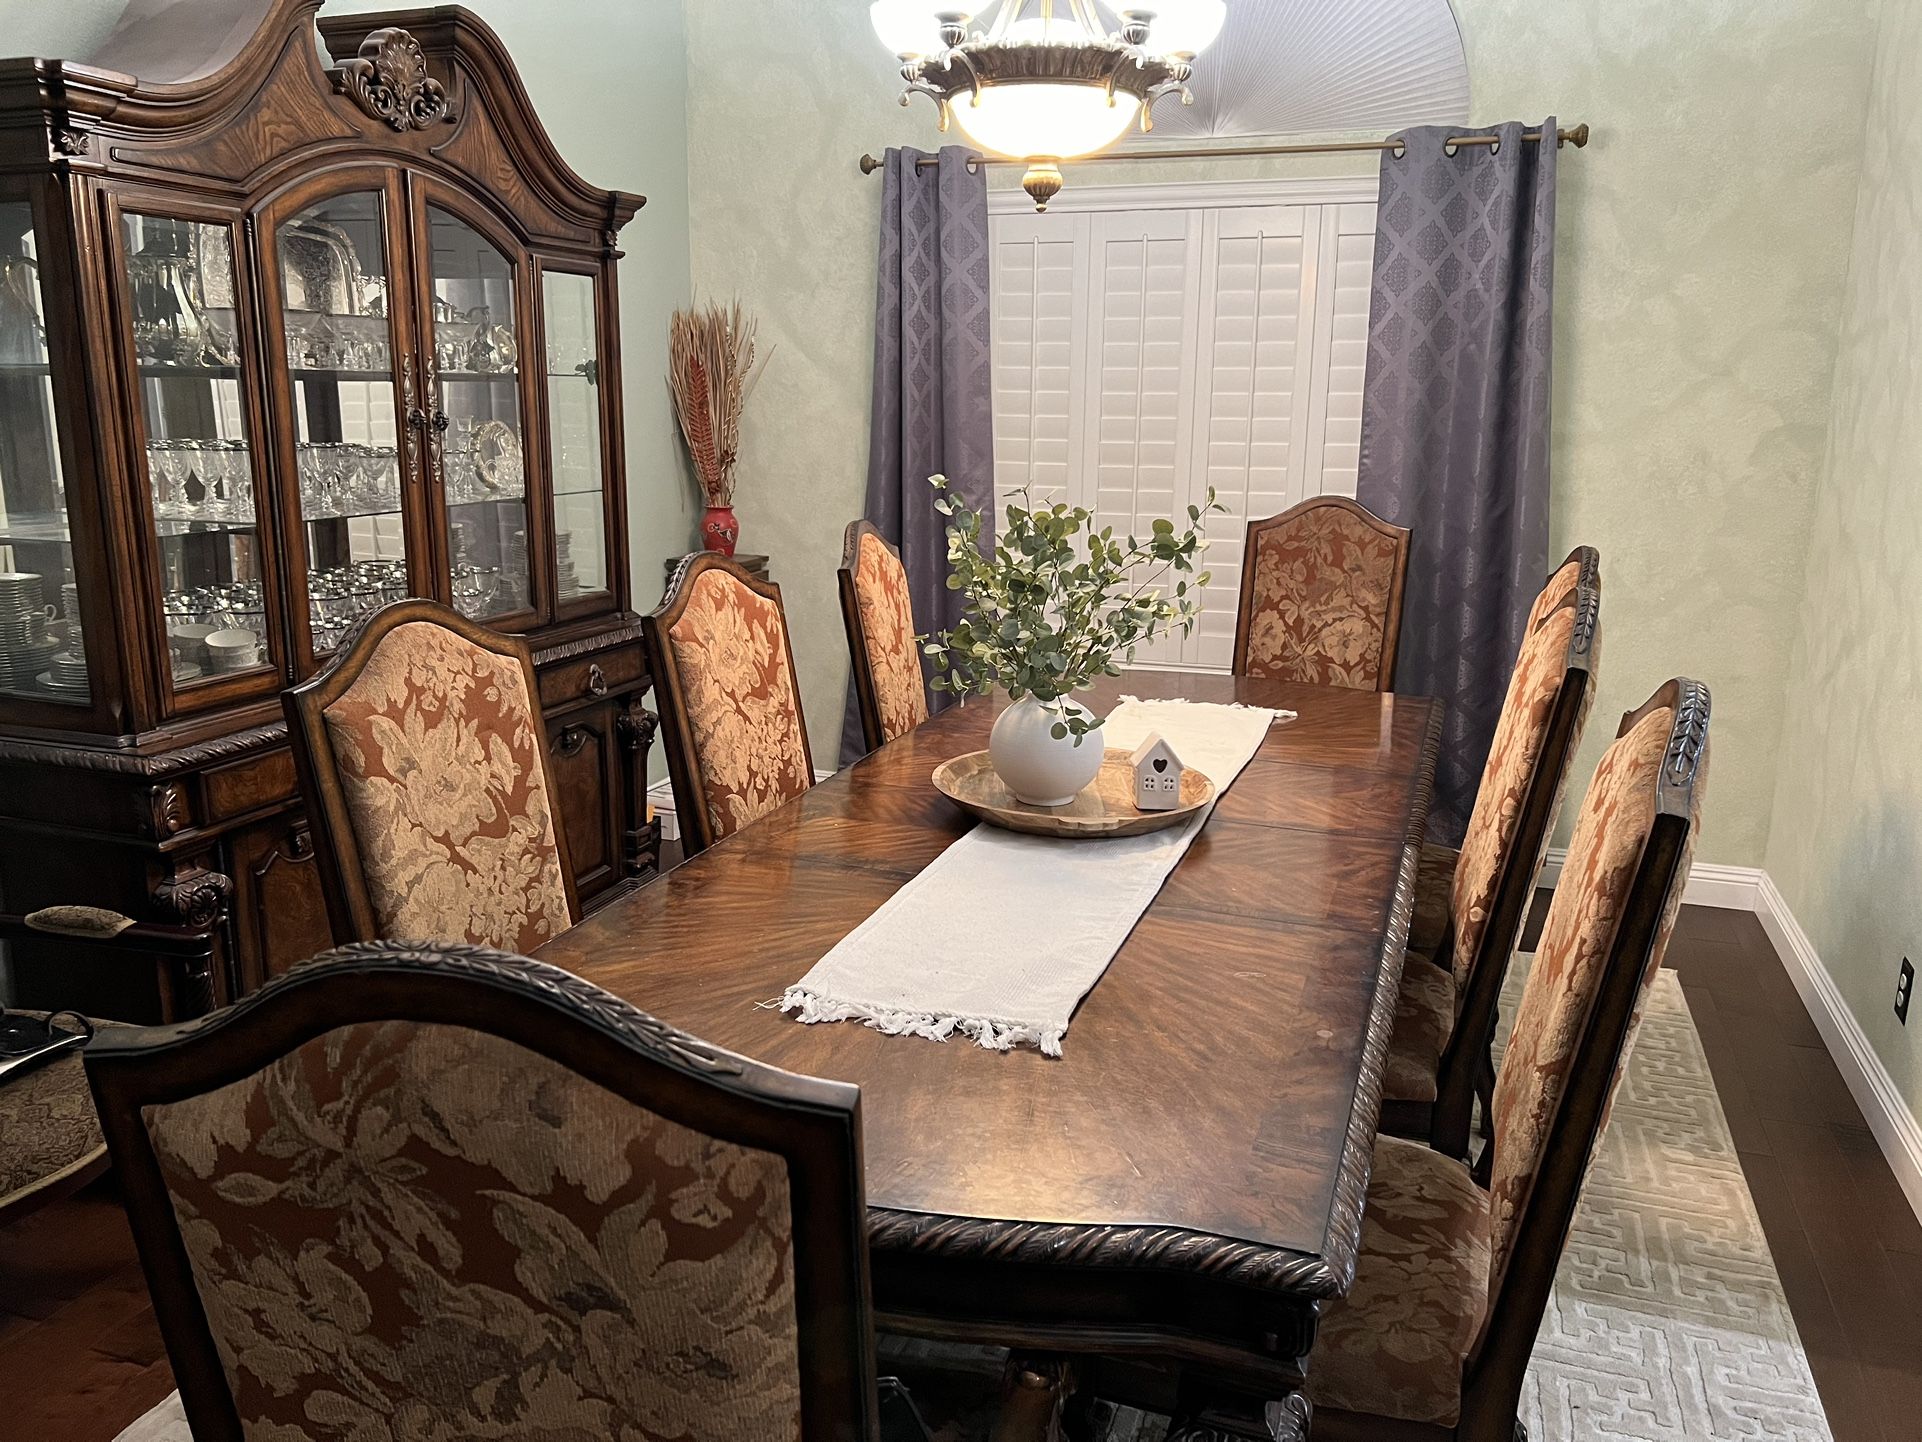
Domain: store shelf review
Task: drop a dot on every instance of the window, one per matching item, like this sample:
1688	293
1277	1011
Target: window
1151	341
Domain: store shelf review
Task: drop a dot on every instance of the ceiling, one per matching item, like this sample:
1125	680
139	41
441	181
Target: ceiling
1294	67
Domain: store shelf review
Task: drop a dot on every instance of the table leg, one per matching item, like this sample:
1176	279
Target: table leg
1032	1391
1245	1420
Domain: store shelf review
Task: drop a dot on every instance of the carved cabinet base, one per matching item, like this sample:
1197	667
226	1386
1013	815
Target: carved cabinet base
216	832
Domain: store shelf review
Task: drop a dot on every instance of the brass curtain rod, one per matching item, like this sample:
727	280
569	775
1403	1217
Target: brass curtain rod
1576	136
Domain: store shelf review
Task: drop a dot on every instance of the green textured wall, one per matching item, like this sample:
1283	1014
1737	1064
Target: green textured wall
1701	263
1846	846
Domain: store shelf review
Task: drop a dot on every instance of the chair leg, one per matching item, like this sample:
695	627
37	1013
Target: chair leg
1032	1391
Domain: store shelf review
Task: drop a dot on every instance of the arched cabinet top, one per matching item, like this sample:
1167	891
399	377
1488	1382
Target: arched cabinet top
434	89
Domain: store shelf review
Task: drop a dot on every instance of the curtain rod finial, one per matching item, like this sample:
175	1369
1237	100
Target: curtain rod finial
869	164
1578	137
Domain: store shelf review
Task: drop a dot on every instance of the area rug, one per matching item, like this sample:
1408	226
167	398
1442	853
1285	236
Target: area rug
1668	1322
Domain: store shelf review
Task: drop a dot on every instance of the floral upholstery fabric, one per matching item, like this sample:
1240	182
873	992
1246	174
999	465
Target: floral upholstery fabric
1424	1020
48	1125
1560	587
887	623
441	764
424	1232
731	648
1521	733
1394	1346
1434	886
1571	960
1318	611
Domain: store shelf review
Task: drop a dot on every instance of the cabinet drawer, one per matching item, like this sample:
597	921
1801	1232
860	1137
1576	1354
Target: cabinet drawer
249	785
593	676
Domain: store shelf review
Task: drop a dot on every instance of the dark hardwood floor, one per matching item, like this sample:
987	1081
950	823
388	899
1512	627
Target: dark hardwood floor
80	1356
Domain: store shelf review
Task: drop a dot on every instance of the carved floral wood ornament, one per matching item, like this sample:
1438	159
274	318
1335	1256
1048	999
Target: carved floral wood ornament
389	80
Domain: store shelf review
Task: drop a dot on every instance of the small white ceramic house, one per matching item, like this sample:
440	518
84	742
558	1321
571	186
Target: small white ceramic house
1157	774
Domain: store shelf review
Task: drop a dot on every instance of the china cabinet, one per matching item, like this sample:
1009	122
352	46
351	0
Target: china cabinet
297	317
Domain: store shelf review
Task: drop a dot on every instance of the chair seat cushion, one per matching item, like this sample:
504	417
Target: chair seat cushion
1393	1347
1434	880
1424	1018
52	1133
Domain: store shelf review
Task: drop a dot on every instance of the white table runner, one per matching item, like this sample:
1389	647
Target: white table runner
1002	934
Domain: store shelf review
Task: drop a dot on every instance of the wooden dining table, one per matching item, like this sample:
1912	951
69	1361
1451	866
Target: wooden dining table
1166	1203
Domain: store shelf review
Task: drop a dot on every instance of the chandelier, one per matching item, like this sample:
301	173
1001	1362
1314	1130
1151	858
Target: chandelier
1046	86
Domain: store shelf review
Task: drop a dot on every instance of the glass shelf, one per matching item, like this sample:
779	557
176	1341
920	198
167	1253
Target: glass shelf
340	358
201	468
478	358
572	354
43	651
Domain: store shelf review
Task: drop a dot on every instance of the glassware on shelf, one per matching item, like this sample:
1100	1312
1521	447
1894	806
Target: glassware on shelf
42	648
347	478
483	468
202	480
200	462
335	299
339	597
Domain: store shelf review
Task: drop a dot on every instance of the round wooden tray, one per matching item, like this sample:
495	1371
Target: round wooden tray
1106	808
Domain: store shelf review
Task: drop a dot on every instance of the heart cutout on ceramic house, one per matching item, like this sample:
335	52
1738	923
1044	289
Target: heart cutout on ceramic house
1161	763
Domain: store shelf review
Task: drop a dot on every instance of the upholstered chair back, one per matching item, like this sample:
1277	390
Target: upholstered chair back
422	751
1527	763
457	1193
1607	929
885	658
730	700
1583	568
1321	596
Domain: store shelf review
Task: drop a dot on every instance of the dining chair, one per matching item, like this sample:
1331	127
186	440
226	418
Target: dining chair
1435	880
444	1190
1433	1338
422	755
53	1146
889	689
1452	979
1321	596
1581	567
730	701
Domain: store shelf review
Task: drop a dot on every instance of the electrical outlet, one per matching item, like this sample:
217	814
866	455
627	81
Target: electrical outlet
1904	987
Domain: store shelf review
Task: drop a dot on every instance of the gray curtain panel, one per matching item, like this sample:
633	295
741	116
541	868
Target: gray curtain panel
932	410
1454	431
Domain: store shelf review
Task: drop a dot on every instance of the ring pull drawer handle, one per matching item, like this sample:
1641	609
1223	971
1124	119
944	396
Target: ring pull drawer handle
596	680
570	741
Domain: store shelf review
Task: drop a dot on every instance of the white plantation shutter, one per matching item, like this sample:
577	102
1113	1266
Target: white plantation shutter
1146	352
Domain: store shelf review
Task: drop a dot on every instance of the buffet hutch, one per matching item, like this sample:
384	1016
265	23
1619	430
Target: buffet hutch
296	317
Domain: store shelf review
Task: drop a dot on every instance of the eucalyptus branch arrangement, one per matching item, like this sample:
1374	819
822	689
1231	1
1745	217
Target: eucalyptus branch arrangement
712	370
1058	604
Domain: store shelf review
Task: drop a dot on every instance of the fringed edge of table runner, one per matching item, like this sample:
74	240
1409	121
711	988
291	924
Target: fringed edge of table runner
810	1006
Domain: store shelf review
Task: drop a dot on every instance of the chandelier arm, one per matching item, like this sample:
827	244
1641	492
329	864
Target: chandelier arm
961	58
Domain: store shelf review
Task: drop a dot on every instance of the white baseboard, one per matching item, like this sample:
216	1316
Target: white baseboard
1750	888
1889	1117
1730	888
661	797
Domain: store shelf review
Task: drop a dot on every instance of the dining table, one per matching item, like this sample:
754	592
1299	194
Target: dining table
1156	1214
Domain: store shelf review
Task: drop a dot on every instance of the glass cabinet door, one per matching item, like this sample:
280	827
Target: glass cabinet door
573	390
42	651
475	352
337	326
199	459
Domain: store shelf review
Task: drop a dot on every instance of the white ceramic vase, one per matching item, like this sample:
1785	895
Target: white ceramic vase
1036	767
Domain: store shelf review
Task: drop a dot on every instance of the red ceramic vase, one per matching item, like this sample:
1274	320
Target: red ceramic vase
719	529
